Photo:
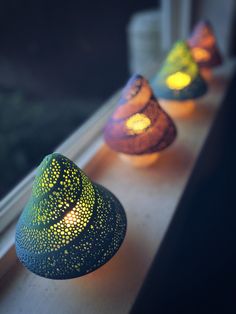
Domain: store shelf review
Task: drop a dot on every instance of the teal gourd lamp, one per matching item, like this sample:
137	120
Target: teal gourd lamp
70	225
179	81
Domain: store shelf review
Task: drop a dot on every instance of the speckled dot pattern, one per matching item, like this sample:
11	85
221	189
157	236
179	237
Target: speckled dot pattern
70	225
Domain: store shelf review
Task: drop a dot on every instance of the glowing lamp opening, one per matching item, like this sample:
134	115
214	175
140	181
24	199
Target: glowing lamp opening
137	123
200	54
178	80
142	129
178	109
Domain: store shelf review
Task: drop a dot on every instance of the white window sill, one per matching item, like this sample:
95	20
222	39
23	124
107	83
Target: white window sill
150	197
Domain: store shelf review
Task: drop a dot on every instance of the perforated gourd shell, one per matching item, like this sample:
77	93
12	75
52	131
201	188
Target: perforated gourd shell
70	225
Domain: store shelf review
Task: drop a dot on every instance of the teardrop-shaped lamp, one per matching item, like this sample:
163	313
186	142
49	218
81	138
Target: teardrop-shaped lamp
179	77
139	126
203	45
179	81
70	225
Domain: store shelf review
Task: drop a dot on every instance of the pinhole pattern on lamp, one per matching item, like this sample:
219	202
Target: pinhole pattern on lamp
139	125
70	225
202	43
179	77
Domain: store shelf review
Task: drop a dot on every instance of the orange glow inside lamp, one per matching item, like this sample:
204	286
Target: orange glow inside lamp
204	48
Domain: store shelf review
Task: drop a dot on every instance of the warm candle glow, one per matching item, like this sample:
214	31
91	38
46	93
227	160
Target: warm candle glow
178	80
137	123
72	218
138	126
140	161
202	43
178	109
206	73
200	54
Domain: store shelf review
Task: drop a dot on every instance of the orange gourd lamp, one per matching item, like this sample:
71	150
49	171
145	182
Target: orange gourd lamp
204	48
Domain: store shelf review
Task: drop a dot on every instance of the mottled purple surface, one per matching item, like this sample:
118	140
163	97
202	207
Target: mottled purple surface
159	135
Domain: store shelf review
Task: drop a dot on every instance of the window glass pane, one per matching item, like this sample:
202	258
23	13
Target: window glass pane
59	61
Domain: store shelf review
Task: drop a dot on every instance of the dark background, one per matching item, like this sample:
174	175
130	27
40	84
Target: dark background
59	61
75	47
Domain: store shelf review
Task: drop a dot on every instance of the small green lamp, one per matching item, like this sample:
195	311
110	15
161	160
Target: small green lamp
70	225
179	81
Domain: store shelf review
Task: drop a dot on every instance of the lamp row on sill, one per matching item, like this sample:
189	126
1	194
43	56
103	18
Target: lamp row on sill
71	225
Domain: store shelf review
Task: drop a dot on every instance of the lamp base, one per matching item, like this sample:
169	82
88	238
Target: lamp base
206	73
178	109
140	161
